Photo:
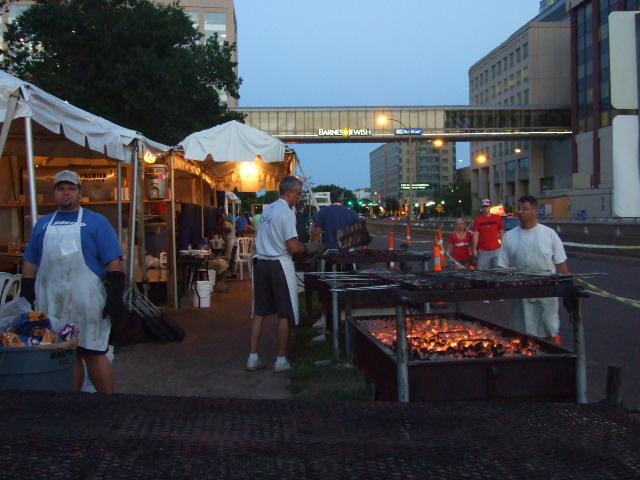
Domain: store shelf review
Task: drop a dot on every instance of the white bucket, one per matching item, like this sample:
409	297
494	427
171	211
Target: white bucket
202	294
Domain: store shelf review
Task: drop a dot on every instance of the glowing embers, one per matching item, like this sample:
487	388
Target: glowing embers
446	339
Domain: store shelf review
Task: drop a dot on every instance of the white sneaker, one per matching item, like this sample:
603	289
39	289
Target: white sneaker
282	365
254	363
321	323
486	301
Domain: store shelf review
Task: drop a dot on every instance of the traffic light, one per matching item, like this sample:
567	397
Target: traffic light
350	202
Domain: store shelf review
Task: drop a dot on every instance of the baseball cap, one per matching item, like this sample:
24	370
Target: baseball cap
486	202
66	176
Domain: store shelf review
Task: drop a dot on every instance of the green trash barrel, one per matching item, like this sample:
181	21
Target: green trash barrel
33	368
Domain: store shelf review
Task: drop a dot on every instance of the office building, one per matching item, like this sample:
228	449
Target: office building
592	113
392	171
531	67
209	16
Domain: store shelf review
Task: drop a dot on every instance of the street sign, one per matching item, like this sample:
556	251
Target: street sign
405	131
626	167
623	60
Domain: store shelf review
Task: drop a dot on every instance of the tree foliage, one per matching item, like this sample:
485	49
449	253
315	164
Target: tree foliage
137	63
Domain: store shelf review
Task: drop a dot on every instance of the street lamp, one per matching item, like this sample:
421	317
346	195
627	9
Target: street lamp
382	120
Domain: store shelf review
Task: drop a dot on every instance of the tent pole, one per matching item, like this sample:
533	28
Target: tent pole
142	249
28	138
201	206
119	200
6	125
172	226
132	213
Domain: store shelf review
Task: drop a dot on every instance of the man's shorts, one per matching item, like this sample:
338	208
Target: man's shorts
271	292
91	353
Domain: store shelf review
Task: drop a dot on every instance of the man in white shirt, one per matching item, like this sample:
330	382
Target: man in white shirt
275	286
534	248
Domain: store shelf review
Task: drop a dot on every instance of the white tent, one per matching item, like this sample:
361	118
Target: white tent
63	130
239	156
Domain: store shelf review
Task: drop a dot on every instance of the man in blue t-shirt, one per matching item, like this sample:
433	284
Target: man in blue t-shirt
73	254
335	217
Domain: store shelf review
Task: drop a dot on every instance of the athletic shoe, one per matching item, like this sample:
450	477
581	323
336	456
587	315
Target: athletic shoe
282	365
486	301
254	363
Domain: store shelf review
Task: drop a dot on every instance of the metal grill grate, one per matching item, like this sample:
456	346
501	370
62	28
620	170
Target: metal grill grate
57	435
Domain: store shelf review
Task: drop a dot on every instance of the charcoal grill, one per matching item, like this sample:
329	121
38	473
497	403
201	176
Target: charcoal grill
508	365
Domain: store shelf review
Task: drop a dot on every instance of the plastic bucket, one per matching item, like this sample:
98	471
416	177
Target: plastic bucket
202	294
33	368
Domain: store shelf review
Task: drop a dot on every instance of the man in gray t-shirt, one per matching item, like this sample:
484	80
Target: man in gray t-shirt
275	286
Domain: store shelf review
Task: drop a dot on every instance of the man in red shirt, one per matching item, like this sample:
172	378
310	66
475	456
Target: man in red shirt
487	237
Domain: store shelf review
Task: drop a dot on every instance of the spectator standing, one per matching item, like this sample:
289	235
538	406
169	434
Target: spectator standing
534	248
73	270
275	285
241	224
487	237
460	242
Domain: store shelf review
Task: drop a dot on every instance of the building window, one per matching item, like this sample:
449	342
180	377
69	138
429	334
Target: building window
525	74
493	71
499	67
526	97
518	54
215	23
511	59
504	63
512	80
518	76
519	98
525	50
511	166
523	163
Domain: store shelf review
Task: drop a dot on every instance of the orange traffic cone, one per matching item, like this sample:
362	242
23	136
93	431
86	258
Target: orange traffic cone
391	241
436	256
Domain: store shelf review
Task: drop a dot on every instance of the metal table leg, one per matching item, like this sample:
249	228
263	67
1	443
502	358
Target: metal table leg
335	315
348	316
401	354
580	350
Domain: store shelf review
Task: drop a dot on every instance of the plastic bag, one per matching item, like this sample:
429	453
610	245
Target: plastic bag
10	310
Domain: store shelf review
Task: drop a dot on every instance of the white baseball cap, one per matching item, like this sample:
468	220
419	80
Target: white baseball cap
66	176
486	202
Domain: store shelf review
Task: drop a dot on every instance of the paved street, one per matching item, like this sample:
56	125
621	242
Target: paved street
612	329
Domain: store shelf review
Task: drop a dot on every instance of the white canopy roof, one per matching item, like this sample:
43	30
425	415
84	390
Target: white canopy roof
233	142
60	117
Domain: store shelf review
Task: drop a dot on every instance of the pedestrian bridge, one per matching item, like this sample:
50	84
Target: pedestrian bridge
452	123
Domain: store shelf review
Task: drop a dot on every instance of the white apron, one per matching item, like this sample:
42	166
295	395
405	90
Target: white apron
67	289
292	283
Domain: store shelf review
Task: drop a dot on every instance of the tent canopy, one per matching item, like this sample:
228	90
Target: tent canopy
62	119
232	142
239	156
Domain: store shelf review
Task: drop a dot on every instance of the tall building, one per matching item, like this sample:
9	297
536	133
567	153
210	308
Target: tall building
592	113
209	16
532	67
391	168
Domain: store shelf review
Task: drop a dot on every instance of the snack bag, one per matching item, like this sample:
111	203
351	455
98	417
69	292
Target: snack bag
11	340
69	332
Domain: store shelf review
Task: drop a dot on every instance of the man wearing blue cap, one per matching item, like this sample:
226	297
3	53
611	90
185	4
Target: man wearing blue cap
73	271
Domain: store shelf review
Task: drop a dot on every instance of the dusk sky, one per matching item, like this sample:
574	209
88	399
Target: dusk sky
295	53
